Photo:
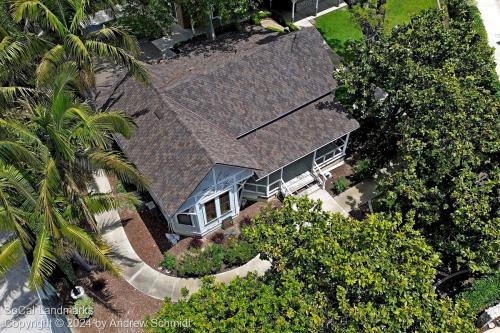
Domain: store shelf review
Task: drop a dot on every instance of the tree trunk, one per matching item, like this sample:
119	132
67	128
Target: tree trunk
210	26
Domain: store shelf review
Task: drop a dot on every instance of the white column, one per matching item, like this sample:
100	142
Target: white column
293	10
345	144
316	8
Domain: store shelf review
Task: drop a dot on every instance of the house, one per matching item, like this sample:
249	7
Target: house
245	119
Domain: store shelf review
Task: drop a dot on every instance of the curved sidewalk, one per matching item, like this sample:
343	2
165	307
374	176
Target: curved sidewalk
142	276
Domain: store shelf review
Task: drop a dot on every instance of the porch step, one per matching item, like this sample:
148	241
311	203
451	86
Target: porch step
309	190
301	181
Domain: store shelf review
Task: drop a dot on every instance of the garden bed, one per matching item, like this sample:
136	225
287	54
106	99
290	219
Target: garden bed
114	299
217	252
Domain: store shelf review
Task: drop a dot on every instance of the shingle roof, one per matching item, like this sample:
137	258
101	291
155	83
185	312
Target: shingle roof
229	106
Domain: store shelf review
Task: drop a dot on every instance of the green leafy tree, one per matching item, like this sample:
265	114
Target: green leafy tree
245	305
438	123
202	11
47	162
148	18
377	274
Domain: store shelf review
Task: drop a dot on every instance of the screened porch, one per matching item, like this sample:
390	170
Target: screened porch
301	172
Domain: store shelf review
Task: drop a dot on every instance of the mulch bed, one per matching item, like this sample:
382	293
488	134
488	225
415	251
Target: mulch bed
345	170
116	303
146	232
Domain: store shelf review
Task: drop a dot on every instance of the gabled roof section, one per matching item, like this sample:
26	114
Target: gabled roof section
248	101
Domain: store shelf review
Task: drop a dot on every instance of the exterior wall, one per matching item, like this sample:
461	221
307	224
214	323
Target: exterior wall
220	180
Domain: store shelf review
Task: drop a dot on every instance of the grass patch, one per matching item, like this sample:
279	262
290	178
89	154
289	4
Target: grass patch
399	12
483	293
339	27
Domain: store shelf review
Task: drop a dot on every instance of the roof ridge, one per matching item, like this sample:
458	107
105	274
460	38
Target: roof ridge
188	128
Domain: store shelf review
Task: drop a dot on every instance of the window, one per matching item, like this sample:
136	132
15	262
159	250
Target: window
185	218
225	204
210	211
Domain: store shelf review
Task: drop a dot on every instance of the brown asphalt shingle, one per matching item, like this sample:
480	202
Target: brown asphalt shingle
196	107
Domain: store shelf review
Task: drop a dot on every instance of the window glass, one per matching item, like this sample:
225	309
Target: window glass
184	219
210	211
225	205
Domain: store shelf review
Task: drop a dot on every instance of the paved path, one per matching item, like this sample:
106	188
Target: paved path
308	21
348	200
145	278
328	203
178	34
490	13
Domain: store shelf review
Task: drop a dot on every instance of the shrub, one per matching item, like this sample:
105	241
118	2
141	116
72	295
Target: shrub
257	17
483	293
83	308
238	252
196	243
169	262
218	238
340	185
363	169
199	263
246	221
292	26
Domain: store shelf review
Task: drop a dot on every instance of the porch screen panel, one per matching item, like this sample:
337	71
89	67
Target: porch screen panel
298	167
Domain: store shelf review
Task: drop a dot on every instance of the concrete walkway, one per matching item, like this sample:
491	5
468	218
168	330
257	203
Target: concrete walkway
328	203
308	21
346	201
145	278
357	195
490	13
178	34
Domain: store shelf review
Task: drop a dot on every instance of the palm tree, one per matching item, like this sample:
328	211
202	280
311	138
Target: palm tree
64	24
46	165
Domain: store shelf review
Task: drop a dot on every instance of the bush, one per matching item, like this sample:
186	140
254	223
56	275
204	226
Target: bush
199	263
196	243
483	293
292	26
83	308
169	262
257	17
363	169
218	238
238	252
340	185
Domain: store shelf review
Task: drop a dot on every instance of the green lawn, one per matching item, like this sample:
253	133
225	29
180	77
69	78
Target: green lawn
337	28
398	12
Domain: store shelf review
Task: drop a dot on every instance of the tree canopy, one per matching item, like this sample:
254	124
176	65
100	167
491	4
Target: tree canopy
438	124
329	273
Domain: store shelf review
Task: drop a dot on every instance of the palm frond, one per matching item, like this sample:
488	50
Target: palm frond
77	49
88	248
12	93
50	61
117	36
120	56
43	259
104	202
36	10
10	253
112	163
114	122
45	204
15	152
